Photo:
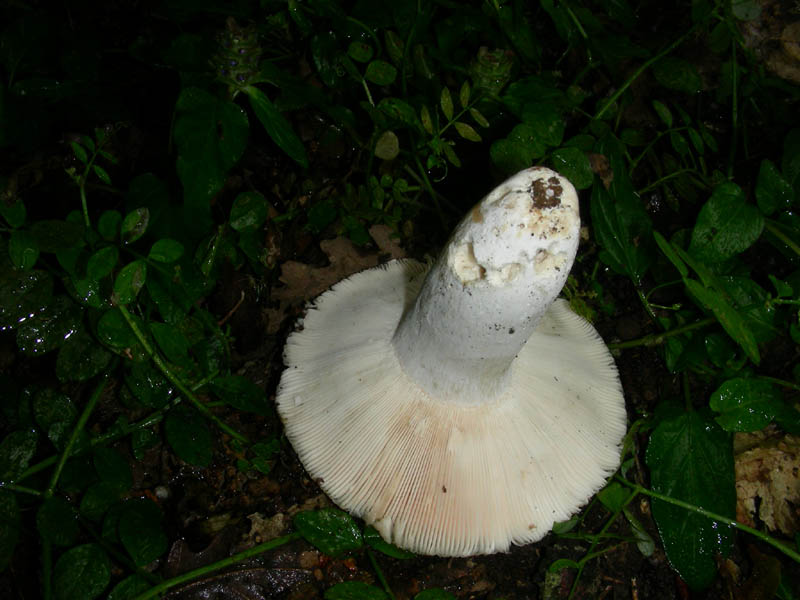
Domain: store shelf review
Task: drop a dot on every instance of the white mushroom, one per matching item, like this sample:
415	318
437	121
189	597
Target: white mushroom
460	408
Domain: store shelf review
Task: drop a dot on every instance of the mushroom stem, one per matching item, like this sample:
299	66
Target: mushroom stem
503	267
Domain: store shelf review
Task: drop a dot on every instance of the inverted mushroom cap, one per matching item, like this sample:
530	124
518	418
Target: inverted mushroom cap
410	397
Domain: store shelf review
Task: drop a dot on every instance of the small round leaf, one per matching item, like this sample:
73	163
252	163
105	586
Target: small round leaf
81	573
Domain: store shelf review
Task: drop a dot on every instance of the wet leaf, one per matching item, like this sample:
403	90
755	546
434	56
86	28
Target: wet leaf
113	330
23	295
82	573
726	225
50	328
129	281
54	413
189	436
277	126
140	531
134	225
355	590
573	164
57	522
746	404
16	451
242	394
249	211
148	385
691	459
331	530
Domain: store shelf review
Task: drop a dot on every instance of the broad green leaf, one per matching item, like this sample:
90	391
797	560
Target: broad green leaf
381	72
678	74
16	451
148	385
691	459
50	328
400	111
249	211
276	125
573	164
242	394
140	531
129	588
613	496
112	329
511	155
355	590
14	213
56	522
467	131
102	262
753	304
172	342
331	530
746	404
9	532
81	573
98	498
166	250
545	119
135	224
112	468
773	192
102	174
446	102
360	51
731	321
189	436
129	281
23	250
23	294
387	147
54	413
109	224
726	225
663	112
373	539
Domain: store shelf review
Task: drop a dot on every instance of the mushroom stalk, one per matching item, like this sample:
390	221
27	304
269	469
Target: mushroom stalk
482	299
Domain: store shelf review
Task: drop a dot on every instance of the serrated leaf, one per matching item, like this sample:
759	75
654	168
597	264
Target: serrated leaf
446	102
746	404
189	436
134	225
726	225
466	131
691	459
355	590
81	573
277	126
331	530
140	531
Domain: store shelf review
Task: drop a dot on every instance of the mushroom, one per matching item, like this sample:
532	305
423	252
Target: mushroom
460	407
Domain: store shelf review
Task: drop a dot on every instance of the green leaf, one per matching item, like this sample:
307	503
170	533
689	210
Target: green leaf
263	455
467	132
102	262
113	330
731	321
277	126
726	225
355	590
173	343
446	102
463	94
22	250
129	588
249	211
13	213
148	385
135	224
55	414
745	10
189	436
573	164
242	394
102	174
545	119
129	281
773	192
434	594
380	72
81	358
109	224
49	328
387	147
401	111
746	404
23	293
479	118
425	117
691	459
613	496
360	51
663	112
9	532
373	539
112	468
82	573
666	248
140	531
79	152
678	74
52	235
56	521
331	530
166	250
98	498
753	304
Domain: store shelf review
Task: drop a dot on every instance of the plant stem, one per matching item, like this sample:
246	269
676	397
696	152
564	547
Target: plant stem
379	573
655	339
615	96
639	489
177	381
73	438
771	226
226	562
781	382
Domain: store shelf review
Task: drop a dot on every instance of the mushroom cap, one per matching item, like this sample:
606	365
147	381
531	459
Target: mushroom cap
435	476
